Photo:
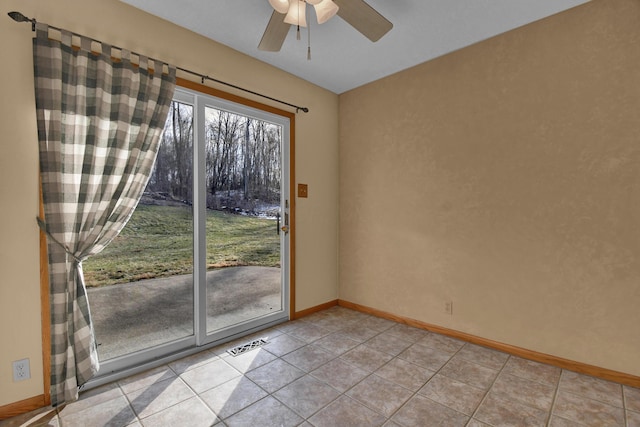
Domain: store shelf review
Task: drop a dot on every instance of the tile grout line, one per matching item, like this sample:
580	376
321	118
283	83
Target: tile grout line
624	406
243	375
417	392
341	393
137	419
344	393
219	418
177	376
597	399
281	358
306	419
555	398
558	390
387	418
471	417
197	395
486	395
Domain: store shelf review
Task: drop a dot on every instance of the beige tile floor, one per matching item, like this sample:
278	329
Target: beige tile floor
339	367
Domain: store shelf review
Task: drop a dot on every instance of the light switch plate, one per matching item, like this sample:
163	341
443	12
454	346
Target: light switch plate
303	191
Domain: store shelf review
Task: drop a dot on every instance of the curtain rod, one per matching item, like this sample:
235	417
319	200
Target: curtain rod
19	17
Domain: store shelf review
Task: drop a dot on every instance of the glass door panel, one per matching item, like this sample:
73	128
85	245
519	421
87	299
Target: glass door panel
140	287
244	280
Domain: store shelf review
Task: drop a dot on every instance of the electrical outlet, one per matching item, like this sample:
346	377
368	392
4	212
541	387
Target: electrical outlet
448	307
21	370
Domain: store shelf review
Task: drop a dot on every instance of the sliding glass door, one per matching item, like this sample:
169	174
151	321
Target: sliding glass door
205	255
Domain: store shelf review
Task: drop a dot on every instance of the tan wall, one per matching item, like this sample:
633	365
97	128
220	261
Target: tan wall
505	177
118	24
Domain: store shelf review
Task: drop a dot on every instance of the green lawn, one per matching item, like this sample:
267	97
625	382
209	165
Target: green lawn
158	242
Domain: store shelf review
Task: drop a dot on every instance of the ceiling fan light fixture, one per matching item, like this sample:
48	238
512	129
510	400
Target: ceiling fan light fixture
280	6
297	13
325	10
313	2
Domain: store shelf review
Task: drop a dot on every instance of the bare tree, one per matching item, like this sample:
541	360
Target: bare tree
242	157
173	170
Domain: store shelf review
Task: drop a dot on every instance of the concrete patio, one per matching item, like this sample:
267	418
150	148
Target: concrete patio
133	316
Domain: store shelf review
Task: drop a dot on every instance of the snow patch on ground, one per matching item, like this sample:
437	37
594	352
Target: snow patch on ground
231	201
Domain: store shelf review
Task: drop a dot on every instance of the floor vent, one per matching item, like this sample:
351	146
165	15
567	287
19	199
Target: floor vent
236	351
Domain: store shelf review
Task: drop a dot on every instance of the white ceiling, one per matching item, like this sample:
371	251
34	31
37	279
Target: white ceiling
342	58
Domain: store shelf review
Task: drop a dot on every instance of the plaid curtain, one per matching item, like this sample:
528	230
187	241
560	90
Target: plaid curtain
99	125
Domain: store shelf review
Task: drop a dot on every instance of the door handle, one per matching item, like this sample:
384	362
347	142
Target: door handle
278	223
285	227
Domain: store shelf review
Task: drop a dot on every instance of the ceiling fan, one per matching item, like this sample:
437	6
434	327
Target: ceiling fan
357	13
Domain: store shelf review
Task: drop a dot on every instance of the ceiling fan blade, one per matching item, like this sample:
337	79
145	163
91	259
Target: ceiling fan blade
364	18
275	33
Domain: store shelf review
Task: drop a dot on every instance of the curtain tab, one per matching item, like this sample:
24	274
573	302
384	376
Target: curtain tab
85	44
66	38
42	31
142	62
171	71
106	50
